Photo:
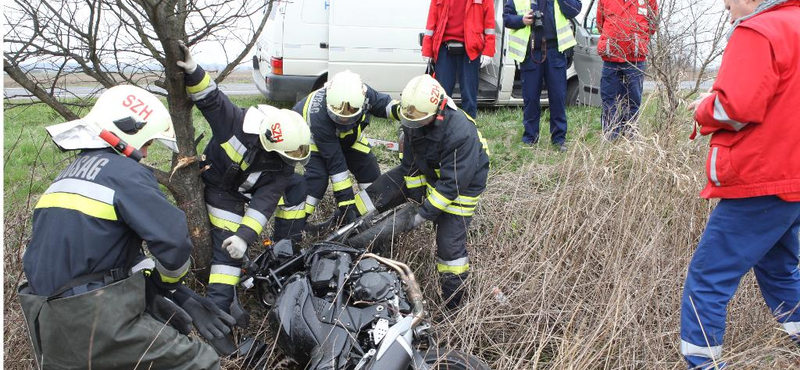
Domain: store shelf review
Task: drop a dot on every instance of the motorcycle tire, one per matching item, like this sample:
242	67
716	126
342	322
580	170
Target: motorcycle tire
449	359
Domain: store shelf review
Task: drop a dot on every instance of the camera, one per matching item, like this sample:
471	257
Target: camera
538	16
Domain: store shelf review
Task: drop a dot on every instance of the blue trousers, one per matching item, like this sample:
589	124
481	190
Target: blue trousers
621	91
452	68
759	233
553	71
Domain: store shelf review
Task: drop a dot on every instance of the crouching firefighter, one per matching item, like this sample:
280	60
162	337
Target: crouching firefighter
338	114
249	159
444	166
85	296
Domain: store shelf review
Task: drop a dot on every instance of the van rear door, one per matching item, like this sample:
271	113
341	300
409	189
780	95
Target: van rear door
378	39
588	63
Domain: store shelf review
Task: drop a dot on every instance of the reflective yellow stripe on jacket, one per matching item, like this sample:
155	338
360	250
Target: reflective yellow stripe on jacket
87	197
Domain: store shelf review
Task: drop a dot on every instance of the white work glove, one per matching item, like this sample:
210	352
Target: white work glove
427	60
188	64
418	220
485	60
235	246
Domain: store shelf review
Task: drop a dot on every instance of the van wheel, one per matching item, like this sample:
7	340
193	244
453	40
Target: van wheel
572	92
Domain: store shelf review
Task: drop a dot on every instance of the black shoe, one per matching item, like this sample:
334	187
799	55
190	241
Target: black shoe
561	147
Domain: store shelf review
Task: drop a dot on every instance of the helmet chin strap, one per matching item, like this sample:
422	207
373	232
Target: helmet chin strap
121	146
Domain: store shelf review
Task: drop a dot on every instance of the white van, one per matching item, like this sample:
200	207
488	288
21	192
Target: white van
305	41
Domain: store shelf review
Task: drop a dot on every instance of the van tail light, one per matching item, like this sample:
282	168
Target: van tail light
277	65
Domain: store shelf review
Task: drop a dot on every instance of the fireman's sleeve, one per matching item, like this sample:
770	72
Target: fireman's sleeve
458	165
570	8
430	28
489	34
747	81
218	110
144	208
382	105
510	17
329	148
262	206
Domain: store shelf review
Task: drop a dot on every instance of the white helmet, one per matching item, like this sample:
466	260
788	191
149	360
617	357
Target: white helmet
346	97
129	112
282	131
420	101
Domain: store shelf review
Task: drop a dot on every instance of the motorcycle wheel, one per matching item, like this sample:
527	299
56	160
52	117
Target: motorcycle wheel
449	359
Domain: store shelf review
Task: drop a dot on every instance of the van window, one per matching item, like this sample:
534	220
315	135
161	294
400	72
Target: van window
590	23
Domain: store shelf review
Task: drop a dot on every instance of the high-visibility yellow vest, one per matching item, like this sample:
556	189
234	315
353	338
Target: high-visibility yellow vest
518	39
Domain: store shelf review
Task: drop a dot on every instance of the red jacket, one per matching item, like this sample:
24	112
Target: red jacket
479	33
625	28
753	114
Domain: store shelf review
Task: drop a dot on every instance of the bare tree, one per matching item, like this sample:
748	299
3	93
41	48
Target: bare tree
50	44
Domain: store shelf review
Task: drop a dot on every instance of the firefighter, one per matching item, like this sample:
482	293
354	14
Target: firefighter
338	115
754	167
540	41
85	297
250	159
460	40
444	166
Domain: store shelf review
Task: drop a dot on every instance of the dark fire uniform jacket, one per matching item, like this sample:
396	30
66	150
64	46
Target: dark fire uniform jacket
239	165
93	218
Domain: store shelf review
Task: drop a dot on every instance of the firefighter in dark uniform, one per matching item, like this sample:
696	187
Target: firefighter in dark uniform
82	305
251	158
444	166
338	115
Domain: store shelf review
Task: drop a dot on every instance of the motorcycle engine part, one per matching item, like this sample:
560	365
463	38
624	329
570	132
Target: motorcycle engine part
369	265
374	287
283	249
323	275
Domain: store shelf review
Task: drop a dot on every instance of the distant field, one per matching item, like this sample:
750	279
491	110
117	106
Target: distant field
237	76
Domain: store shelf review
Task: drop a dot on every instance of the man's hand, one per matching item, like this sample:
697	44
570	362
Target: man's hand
485	60
693	105
210	321
188	64
527	19
418	220
235	246
346	215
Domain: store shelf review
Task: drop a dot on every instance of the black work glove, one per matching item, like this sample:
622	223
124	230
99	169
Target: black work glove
346	214
210	321
160	306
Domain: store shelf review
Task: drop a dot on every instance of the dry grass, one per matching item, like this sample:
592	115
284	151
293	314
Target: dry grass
590	251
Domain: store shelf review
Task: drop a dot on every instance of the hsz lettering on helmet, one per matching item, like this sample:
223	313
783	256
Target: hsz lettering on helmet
435	94
137	106
277	134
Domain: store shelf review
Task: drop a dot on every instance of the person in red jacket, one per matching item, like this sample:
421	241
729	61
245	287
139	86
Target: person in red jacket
754	166
457	33
625	29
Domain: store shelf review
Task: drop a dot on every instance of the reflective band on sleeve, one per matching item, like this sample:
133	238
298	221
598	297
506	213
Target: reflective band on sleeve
254	220
341	181
456	267
489	31
415	181
346	203
428	32
201	90
311	205
223	219
465	211
291	213
721	115
250	182
172	276
235	151
224	274
438	172
75	202
688	349
466	200
362	145
438	200
713	167
364	203
792	328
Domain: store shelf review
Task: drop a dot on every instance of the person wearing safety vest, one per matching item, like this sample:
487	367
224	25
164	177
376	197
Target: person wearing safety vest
540	39
625	28
249	160
88	284
754	167
457	34
444	167
338	115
